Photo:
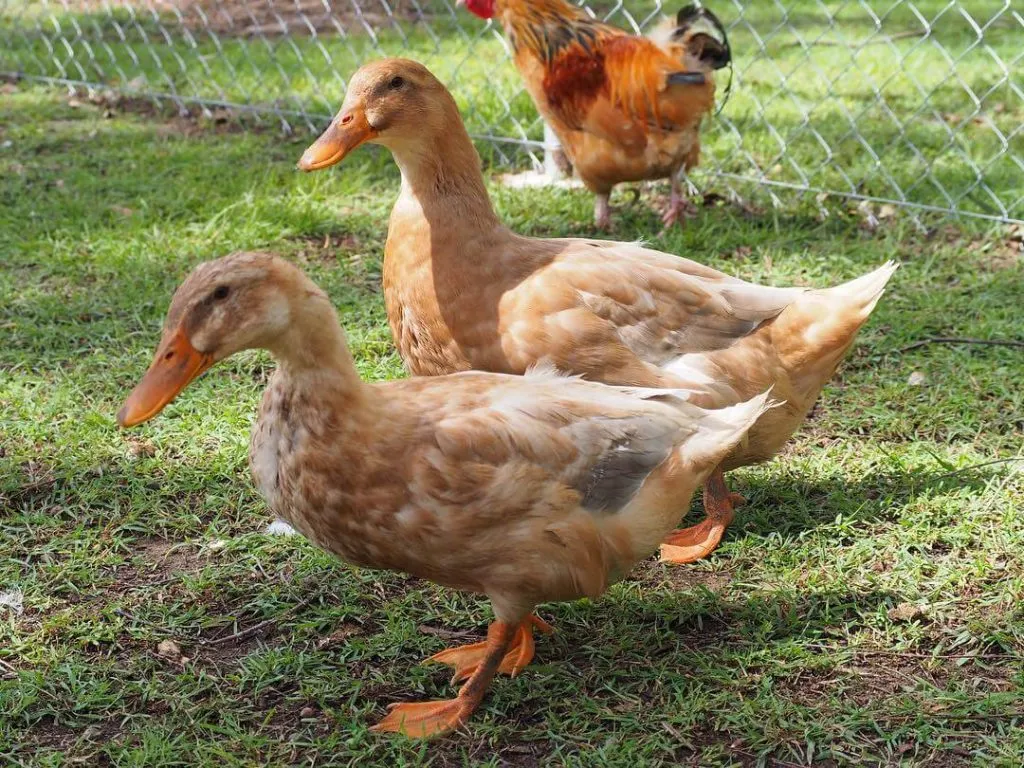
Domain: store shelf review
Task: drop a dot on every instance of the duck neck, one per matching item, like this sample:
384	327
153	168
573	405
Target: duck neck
313	353
442	178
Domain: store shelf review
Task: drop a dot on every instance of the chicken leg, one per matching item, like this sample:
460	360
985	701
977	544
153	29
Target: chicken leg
466	659
679	208
693	543
602	211
423	720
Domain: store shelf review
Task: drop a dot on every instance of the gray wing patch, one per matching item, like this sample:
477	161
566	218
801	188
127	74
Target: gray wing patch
615	478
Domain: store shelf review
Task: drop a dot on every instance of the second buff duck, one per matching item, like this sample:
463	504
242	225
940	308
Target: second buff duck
465	292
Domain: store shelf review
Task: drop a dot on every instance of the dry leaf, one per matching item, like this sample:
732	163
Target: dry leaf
170	650
916	379
906	612
140	449
12	599
342	633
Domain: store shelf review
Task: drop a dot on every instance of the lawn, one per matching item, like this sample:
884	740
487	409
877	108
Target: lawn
865	609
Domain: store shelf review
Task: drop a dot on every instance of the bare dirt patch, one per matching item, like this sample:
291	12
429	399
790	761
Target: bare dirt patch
249	18
654	574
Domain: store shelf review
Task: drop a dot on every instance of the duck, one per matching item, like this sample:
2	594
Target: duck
525	489
465	292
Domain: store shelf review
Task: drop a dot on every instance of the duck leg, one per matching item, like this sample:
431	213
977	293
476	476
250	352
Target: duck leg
423	720
693	543
466	659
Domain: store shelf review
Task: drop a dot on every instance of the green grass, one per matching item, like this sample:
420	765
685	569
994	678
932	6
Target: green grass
865	609
826	95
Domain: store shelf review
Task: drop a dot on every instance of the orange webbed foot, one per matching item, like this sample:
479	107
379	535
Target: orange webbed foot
427	719
424	720
466	659
690	544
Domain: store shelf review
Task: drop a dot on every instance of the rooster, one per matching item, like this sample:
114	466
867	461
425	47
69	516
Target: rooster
625	108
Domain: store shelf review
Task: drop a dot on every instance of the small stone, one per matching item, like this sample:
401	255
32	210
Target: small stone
916	379
307	712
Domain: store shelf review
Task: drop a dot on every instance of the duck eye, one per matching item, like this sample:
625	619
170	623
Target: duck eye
396	83
220	292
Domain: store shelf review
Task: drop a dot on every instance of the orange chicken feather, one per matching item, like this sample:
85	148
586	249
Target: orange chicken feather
525	489
625	108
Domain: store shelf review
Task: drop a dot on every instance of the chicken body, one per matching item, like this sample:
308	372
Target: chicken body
625	108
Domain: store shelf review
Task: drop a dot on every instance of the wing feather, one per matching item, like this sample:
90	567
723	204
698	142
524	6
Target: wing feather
601	442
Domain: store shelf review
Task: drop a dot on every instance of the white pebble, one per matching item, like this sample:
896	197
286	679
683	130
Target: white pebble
280	528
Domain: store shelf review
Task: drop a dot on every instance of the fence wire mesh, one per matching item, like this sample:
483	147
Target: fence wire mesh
917	103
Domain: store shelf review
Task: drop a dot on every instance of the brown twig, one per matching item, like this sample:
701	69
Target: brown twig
256	627
958	340
918	654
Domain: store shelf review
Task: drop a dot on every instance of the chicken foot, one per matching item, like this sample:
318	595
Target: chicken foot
679	207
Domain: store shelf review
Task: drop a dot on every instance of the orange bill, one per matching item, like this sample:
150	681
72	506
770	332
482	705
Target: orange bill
176	364
346	132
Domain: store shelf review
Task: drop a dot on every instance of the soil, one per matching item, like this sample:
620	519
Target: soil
254	18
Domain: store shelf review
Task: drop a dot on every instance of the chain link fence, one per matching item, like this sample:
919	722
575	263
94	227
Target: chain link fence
917	104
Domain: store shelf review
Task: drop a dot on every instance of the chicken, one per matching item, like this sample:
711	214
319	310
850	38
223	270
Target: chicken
525	489
625	108
464	292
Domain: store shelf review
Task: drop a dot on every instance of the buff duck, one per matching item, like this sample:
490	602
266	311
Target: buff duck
464	292
524	489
